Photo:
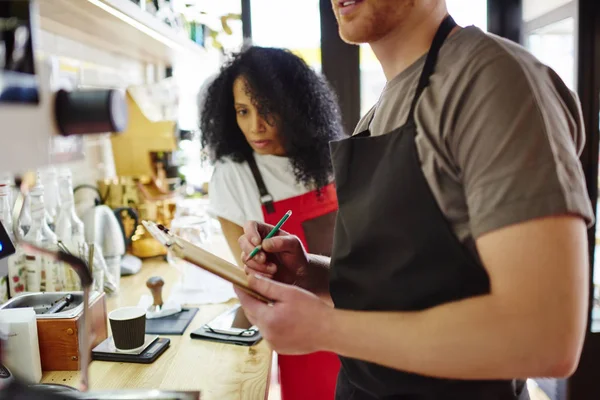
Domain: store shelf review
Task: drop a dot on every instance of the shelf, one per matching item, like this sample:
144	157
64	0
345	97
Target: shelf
118	26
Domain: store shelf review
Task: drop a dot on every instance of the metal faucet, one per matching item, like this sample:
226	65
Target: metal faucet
85	276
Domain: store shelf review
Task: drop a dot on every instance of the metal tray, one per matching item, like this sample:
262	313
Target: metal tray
42	301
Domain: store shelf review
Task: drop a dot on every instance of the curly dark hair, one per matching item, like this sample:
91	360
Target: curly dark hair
281	85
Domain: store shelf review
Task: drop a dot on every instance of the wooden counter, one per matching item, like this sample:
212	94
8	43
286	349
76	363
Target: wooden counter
219	371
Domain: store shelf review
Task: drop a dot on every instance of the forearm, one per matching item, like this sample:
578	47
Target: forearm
316	276
232	232
477	338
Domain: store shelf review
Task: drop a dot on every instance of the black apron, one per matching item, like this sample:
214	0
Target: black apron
395	250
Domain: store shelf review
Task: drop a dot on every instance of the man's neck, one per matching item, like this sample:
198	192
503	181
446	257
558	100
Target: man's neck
409	41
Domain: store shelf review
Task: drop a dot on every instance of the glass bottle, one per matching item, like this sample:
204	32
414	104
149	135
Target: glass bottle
43	273
48	178
70	229
17	275
24	221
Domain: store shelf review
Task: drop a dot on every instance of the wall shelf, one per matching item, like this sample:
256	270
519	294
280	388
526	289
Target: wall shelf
118	26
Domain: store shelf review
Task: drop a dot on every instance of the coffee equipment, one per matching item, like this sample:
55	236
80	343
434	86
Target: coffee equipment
58	342
141	195
109	230
147	178
44	122
103	228
43	118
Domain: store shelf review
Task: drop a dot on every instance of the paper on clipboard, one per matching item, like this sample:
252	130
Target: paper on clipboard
202	258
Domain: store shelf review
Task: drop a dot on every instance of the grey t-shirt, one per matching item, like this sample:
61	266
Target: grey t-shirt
498	134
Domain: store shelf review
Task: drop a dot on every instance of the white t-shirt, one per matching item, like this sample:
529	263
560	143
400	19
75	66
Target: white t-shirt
233	193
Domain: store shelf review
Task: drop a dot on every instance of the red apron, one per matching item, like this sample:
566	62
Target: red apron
311	376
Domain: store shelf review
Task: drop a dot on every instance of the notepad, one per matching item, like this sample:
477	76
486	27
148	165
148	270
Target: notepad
202	258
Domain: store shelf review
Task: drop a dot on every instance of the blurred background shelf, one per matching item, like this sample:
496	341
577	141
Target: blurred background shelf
118	26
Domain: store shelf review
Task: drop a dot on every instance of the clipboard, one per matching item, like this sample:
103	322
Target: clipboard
202	258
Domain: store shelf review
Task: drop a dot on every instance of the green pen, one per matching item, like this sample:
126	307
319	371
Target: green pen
271	234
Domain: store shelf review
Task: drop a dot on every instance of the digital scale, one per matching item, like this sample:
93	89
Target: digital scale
152	349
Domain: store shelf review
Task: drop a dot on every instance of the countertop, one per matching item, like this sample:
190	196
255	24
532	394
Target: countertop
219	371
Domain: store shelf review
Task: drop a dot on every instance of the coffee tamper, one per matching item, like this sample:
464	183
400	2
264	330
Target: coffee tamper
155	284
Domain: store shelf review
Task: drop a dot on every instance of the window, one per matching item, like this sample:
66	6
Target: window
533	9
550	35
554	45
372	79
192	74
295	25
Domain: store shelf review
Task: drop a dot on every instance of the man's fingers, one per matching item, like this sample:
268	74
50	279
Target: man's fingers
259	263
250	305
265	269
260	257
269	288
281	244
251	233
245	244
247	249
255	231
252	237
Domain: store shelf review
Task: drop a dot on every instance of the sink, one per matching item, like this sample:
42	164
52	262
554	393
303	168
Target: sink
42	301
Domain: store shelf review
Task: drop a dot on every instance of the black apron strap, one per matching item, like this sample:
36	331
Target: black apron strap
265	197
440	36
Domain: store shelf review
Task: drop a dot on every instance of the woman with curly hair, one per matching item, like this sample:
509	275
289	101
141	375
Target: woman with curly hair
267	120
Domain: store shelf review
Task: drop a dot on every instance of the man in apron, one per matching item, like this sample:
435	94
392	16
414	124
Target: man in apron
460	263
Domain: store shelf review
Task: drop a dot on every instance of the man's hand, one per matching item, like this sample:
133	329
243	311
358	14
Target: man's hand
283	259
296	323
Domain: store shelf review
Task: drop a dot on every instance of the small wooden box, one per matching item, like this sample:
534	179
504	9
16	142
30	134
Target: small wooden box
59	338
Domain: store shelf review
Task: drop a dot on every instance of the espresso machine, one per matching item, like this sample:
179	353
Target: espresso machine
42	124
147	178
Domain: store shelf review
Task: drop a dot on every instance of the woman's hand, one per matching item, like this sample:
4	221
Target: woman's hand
282	258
